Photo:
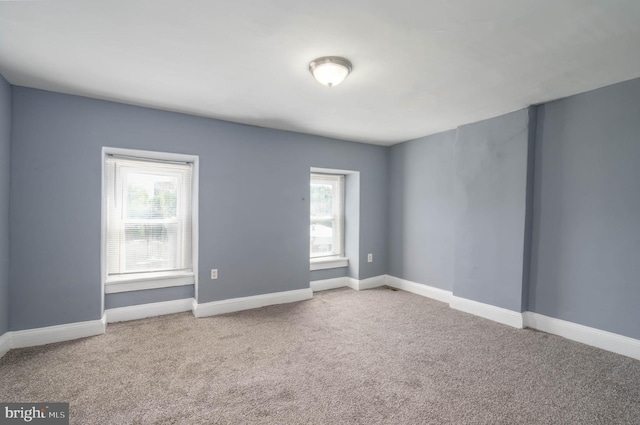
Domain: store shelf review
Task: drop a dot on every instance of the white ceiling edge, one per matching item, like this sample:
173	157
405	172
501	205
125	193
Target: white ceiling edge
204	114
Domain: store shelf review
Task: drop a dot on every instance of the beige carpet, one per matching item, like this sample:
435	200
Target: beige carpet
370	357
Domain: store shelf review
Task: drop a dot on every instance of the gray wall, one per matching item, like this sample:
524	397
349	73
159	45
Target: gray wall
5	152
328	273
459	203
586	222
455	208
352	234
421	210
490	209
55	201
126	299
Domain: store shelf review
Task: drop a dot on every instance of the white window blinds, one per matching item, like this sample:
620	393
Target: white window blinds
148	216
327	214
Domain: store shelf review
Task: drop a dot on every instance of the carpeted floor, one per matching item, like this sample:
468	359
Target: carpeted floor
370	357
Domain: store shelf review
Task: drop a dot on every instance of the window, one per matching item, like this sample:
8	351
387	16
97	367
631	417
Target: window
148	223
327	216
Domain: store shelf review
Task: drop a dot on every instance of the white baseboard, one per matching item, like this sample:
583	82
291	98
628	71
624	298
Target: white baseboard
591	336
5	343
488	311
372	282
135	312
342	282
58	333
420	289
326	284
247	303
609	341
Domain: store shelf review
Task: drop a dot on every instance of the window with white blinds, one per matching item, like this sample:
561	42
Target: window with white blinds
148	217
327	216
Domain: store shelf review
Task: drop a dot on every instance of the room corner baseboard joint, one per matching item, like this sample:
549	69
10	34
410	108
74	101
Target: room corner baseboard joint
608	341
419	289
488	311
348	282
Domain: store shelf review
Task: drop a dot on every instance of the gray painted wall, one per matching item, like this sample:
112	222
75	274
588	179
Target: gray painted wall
464	195
352	234
458	209
5	153
55	201
528	219
586	222
490	204
421	210
126	299
328	274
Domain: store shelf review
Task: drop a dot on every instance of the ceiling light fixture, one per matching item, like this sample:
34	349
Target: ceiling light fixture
330	70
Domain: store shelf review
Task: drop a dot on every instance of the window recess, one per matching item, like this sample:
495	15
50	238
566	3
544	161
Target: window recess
148	223
326	239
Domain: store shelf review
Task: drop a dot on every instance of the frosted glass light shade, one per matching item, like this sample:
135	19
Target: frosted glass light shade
330	70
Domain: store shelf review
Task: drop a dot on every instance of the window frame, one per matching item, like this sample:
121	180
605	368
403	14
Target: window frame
149	280
335	259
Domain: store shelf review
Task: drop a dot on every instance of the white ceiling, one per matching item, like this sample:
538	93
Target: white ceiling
420	66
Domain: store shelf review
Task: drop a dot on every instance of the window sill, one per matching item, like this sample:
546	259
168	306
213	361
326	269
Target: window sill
328	263
144	281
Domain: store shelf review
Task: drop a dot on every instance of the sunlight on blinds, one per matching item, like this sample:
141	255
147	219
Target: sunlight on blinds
148	216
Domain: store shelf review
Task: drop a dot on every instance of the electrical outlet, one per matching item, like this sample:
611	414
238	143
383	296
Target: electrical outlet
214	273
370	258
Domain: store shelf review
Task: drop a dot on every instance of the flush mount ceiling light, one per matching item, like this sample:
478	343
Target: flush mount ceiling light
330	70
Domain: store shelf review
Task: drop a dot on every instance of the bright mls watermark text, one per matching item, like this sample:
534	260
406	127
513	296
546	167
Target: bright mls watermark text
34	413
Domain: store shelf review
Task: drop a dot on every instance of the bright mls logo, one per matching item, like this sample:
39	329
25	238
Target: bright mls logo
36	413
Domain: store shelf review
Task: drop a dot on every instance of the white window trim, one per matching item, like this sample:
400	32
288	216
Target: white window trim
322	263
338	218
147	281
144	281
